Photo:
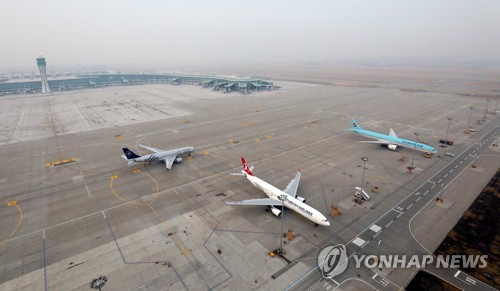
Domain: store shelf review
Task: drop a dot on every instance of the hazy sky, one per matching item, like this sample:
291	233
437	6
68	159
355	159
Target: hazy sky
189	32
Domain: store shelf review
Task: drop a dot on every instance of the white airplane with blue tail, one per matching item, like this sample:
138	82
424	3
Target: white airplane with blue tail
167	156
392	141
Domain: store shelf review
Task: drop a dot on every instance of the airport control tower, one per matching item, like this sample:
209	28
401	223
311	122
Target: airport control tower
40	60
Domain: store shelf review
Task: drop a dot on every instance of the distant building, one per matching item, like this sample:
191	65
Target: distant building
80	81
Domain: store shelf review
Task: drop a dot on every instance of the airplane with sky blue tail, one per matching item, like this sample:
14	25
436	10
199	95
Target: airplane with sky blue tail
392	141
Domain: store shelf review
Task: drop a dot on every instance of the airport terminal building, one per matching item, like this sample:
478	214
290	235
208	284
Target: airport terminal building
81	81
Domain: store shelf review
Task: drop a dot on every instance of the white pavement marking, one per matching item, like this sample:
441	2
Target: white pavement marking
470	280
384	282
358	241
446	175
85	183
104	214
432	187
375	228
411	219
440	180
435	174
418	199
396	210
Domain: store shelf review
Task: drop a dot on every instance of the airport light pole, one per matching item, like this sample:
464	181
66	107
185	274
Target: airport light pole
486	110
414	151
364	159
448	128
282	220
468	122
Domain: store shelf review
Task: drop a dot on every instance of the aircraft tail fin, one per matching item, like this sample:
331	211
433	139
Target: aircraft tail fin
392	133
354	124
130	154
246	169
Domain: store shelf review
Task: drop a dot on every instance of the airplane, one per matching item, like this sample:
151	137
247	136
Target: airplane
169	156
278	198
392	141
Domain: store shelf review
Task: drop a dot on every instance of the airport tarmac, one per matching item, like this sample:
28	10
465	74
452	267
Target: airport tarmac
150	229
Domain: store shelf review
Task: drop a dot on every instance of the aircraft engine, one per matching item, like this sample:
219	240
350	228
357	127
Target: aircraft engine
276	211
301	199
392	147
178	160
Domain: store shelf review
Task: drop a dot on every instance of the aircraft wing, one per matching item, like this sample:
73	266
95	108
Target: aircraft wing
263	201
151	148
291	188
169	161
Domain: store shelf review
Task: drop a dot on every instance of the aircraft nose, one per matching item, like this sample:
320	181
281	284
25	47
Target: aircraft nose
325	222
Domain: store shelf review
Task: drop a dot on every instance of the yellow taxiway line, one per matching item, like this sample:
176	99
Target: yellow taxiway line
181	246
14	204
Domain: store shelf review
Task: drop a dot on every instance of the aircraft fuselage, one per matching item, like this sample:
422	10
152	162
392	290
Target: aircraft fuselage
395	140
289	201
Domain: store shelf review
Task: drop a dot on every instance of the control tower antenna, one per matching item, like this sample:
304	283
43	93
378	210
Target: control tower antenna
40	61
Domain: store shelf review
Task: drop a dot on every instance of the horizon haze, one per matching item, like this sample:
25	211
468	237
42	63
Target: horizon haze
162	34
